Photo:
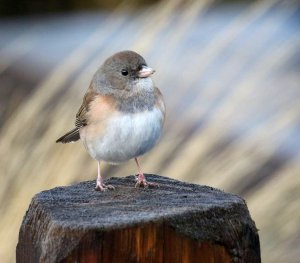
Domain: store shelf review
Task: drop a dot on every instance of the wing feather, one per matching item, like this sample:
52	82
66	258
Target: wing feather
81	118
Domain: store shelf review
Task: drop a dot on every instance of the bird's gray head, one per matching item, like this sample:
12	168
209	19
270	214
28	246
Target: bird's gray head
124	71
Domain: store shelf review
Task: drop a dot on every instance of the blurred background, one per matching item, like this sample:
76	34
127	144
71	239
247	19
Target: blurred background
230	74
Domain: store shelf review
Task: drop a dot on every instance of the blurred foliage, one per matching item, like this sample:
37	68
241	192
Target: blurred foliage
25	7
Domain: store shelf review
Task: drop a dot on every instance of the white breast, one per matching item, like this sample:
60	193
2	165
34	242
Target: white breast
126	136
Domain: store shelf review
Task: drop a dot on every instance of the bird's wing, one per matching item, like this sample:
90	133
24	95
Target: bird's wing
81	116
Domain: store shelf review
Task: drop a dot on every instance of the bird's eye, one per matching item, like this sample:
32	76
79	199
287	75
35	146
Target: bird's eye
124	72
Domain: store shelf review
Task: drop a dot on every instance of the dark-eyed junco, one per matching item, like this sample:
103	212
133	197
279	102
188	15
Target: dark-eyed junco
122	114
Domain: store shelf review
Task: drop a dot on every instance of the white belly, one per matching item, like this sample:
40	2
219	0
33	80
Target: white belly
126	136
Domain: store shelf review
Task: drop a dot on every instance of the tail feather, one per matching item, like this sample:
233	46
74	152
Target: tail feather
71	136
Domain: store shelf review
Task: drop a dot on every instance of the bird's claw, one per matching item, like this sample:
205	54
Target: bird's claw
142	182
103	187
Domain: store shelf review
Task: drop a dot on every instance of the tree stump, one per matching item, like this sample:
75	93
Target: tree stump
175	222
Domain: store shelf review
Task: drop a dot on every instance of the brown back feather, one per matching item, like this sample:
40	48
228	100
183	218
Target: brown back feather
81	118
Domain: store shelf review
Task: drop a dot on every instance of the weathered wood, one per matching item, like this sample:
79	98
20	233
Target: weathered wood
176	222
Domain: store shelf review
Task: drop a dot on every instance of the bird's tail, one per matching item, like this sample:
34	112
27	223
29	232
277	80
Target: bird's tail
71	136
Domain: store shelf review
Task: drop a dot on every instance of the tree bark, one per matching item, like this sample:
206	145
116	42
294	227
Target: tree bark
175	222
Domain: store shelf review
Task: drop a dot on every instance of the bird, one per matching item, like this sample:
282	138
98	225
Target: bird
121	116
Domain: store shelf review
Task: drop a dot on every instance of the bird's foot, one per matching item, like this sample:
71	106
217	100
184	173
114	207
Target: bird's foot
142	182
100	186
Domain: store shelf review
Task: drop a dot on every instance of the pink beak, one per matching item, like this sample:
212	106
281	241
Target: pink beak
145	72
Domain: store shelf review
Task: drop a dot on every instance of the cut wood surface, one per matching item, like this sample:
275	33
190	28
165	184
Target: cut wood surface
175	222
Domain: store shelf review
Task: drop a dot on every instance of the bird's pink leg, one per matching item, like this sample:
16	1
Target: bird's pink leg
141	180
100	186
